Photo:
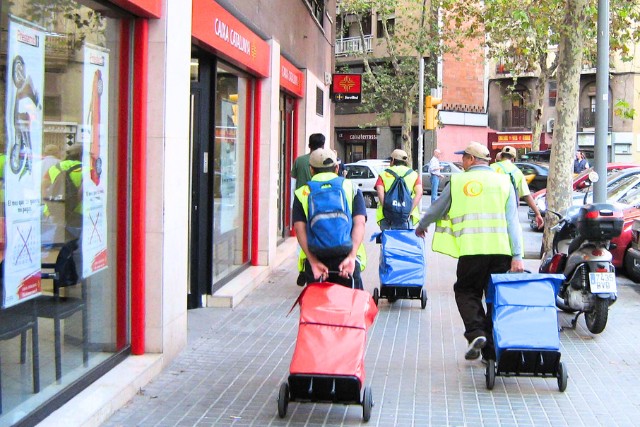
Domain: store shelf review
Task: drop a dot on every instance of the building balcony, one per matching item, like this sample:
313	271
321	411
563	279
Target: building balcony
352	45
516	119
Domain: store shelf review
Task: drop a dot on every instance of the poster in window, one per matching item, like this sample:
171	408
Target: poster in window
94	159
227	138
22	164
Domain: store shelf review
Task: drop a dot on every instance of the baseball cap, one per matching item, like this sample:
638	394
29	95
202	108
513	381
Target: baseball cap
510	151
476	150
398	154
323	158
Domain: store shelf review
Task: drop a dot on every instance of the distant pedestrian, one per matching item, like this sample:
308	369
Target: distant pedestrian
399	166
477	222
300	170
580	163
435	171
506	166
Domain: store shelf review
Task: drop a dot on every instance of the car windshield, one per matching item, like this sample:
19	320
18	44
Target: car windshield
359	172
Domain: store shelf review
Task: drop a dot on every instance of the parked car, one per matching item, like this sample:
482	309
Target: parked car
448	168
615	173
632	255
364	174
537	156
536	174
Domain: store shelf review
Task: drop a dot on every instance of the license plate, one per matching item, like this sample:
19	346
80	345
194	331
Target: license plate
602	282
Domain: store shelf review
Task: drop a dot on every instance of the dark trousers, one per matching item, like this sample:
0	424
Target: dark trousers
473	274
333	265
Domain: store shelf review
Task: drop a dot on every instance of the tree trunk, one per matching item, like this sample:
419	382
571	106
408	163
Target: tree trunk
564	141
538	110
406	127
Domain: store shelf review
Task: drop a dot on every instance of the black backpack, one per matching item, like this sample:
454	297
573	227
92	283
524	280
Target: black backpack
62	189
397	201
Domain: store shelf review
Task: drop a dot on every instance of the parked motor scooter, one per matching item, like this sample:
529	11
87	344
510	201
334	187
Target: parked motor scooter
581	252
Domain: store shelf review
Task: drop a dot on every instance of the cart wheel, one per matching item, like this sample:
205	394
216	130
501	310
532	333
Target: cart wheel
490	374
376	296
283	400
367	404
562	377
423	298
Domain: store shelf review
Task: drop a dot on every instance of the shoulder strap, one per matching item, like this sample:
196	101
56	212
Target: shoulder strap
395	175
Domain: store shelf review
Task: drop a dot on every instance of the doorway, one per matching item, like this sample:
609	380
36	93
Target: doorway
200	224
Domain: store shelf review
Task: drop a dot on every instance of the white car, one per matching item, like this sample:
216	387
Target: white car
364	174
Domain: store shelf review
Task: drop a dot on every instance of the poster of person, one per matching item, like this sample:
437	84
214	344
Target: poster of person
94	159
227	140
23	164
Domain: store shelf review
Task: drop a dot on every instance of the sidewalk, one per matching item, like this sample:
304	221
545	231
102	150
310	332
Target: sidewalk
236	359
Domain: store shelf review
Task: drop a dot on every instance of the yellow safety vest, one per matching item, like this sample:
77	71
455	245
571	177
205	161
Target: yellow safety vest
302	194
476	223
520	184
410	180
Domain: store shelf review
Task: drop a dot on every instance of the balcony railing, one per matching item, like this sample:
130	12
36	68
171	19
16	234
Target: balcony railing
588	118
516	118
352	45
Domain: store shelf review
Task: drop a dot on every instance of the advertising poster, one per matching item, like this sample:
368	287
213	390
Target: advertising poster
227	139
94	153
23	164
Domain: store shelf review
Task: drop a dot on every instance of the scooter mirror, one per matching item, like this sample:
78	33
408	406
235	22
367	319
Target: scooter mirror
593	176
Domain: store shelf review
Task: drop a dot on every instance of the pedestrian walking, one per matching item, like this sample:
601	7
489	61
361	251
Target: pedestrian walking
476	222
330	234
300	170
391	211
580	163
301	173
506	166
435	174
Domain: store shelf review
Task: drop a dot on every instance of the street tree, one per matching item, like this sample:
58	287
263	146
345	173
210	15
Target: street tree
549	39
391	82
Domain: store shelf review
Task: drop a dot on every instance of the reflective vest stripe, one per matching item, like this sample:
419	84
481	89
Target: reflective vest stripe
465	231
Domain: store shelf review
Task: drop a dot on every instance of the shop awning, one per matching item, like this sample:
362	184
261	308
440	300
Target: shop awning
514	144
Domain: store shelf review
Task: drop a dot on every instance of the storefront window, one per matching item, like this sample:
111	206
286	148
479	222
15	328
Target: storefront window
58	230
230	153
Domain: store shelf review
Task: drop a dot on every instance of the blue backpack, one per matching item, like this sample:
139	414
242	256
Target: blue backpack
329	221
397	201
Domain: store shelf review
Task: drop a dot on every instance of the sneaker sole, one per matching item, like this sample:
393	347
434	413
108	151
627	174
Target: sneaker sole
475	346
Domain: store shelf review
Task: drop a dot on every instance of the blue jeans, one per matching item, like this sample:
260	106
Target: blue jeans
435	182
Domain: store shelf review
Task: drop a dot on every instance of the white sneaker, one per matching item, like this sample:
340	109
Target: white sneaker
473	351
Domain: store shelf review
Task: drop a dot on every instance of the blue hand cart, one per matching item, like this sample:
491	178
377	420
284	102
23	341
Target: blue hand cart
402	267
525	327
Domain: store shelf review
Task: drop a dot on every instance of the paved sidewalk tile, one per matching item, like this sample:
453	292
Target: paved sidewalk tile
236	359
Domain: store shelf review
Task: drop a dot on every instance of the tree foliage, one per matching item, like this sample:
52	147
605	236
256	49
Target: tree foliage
549	39
391	82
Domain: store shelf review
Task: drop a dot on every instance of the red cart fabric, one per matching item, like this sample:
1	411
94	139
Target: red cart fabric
333	329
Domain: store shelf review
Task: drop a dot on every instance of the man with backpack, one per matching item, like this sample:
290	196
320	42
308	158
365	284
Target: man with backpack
506	166
399	191
329	217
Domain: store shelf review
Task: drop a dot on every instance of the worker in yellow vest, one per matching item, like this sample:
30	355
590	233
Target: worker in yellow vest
340	249
477	222
505	165
399	166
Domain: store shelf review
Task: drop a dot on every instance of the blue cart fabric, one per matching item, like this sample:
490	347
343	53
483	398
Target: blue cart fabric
524	311
402	259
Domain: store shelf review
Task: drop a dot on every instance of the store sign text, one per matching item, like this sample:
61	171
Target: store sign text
290	76
514	137
27	38
232	37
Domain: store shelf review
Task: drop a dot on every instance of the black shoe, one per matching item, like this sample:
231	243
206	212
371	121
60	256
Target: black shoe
301	280
473	351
